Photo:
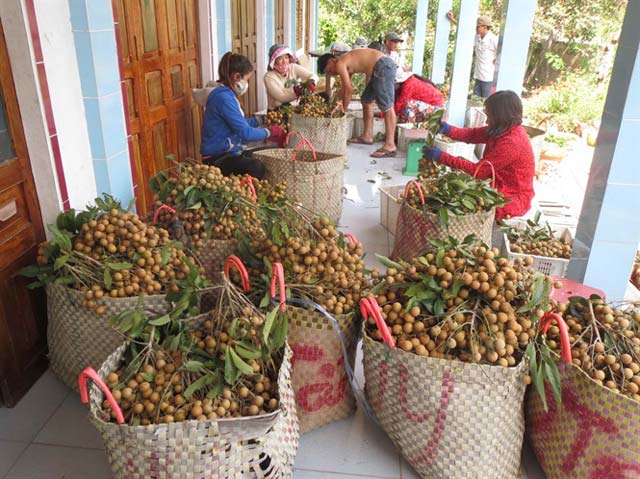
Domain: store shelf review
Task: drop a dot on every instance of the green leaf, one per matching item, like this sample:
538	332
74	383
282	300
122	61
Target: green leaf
231	372
387	262
118	266
195	206
197	385
31	271
106	276
443	216
538	380
192	366
60	262
239	362
149	377
268	323
553	376
161	321
247	352
216	390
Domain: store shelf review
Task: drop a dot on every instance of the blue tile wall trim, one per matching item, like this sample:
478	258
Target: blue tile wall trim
105	60
84	56
78	10
120	177
94	126
113	127
101	171
100	15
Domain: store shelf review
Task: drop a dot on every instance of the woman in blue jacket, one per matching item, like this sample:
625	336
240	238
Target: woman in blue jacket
225	128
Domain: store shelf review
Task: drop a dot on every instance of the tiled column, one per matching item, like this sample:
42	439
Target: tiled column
293	25
97	54
223	26
271	26
514	44
420	36
462	62
609	227
441	44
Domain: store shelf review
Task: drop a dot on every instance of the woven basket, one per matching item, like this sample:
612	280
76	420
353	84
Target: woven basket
316	183
222	448
212	256
415	228
327	135
79	337
318	374
593	434
449	419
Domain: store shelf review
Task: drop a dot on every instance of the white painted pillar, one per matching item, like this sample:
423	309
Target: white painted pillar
420	36
441	44
462	62
261	51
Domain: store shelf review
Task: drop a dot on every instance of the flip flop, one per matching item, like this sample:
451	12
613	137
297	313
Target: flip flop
356	140
383	153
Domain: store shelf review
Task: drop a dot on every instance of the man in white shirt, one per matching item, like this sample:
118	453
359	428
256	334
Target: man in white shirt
392	41
486	49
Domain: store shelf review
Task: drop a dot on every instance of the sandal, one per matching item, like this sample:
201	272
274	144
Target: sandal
356	140
384	153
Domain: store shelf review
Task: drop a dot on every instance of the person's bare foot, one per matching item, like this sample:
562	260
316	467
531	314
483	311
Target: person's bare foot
358	140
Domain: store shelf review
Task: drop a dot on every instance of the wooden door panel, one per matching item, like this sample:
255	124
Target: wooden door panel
244	38
158	80
279	20
22	315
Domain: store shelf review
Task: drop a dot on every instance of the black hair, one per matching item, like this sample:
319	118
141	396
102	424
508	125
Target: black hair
231	63
378	46
505	110
419	77
323	61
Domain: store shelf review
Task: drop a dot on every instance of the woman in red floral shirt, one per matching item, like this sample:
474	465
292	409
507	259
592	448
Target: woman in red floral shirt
508	149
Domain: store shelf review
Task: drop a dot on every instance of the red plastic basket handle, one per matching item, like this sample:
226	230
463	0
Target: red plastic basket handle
244	275
278	274
247	180
339	107
160	208
417	185
493	171
303	141
351	238
90	373
369	307
565	344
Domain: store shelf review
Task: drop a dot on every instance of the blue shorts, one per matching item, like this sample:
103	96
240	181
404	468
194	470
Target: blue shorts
482	88
381	84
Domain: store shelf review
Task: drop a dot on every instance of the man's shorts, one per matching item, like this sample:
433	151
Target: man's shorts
482	88
381	84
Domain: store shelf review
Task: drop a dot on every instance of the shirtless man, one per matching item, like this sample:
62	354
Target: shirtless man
380	71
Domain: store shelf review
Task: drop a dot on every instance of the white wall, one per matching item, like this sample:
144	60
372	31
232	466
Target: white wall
61	65
14	22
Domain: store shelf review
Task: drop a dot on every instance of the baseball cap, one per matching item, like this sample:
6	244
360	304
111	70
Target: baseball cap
393	36
338	48
484	21
360	43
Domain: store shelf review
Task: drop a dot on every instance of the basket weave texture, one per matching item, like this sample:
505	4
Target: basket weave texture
319	378
415	228
593	434
327	135
238	448
79	337
316	184
213	255
449	419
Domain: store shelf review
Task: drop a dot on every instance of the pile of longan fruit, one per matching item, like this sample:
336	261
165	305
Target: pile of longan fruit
155	392
554	248
429	169
318	267
479	323
233	209
428	185
122	237
605	343
313	106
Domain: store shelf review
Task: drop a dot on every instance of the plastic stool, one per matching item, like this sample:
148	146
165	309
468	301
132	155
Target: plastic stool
414	154
572	288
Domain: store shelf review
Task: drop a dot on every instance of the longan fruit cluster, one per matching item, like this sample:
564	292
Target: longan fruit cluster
605	343
479	322
555	248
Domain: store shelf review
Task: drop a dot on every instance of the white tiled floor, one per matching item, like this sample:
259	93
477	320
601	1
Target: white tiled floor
48	435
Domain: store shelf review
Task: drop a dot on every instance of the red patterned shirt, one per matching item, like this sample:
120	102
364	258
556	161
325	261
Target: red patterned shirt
512	157
415	89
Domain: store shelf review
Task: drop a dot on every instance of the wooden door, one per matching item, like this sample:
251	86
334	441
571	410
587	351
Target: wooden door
23	339
279	21
244	40
159	51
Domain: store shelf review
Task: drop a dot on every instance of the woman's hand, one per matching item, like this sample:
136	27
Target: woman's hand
432	153
445	128
277	134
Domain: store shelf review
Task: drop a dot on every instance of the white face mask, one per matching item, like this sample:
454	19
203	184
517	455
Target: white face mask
241	87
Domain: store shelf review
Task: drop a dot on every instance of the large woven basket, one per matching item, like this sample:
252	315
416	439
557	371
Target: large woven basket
316	182
593	434
449	419
237	448
318	374
212	256
79	337
415	228
327	135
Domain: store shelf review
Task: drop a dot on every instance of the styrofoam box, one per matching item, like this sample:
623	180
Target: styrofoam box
546	265
407	133
390	197
457	148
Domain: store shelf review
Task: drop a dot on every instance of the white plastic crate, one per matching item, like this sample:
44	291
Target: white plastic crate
390	197
544	264
456	148
407	133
